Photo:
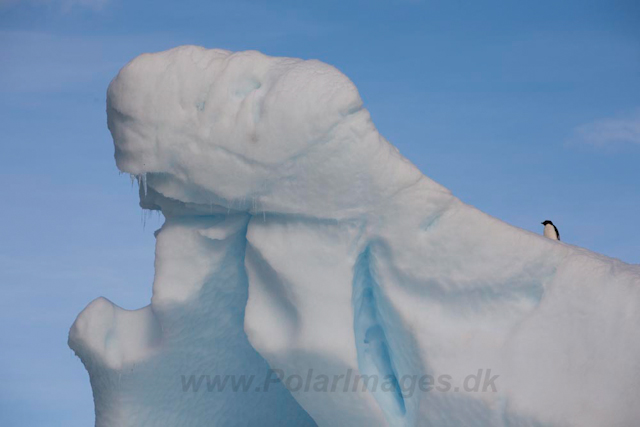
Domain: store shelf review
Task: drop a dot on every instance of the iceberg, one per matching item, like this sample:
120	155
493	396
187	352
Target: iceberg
308	274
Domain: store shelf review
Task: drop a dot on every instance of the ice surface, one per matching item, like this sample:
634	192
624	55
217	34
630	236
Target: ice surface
298	238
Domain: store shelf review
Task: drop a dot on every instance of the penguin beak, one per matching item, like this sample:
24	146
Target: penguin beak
542	223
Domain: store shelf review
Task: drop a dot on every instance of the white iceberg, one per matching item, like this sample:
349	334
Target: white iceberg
298	242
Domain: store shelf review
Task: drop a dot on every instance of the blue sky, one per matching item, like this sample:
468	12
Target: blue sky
527	110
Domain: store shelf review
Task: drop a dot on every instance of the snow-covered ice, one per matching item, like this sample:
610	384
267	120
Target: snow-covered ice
298	238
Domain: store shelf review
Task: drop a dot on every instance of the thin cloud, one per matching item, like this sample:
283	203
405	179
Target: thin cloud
609	131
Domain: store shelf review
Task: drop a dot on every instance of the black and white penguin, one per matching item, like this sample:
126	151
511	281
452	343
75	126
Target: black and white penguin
550	230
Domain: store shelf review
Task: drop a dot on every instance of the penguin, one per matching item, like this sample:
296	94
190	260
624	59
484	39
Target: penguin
550	230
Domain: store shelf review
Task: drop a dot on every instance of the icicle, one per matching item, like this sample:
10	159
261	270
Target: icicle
133	178
143	182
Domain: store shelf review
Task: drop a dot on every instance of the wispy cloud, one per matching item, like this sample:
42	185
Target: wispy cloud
615	130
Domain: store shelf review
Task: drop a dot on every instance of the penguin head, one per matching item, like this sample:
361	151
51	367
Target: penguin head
546	222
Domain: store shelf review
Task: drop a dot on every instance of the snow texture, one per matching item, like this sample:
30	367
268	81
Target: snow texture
298	238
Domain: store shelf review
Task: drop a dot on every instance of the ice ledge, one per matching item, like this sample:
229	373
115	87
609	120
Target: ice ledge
112	336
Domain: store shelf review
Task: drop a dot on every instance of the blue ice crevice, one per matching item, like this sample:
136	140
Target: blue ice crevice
375	355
